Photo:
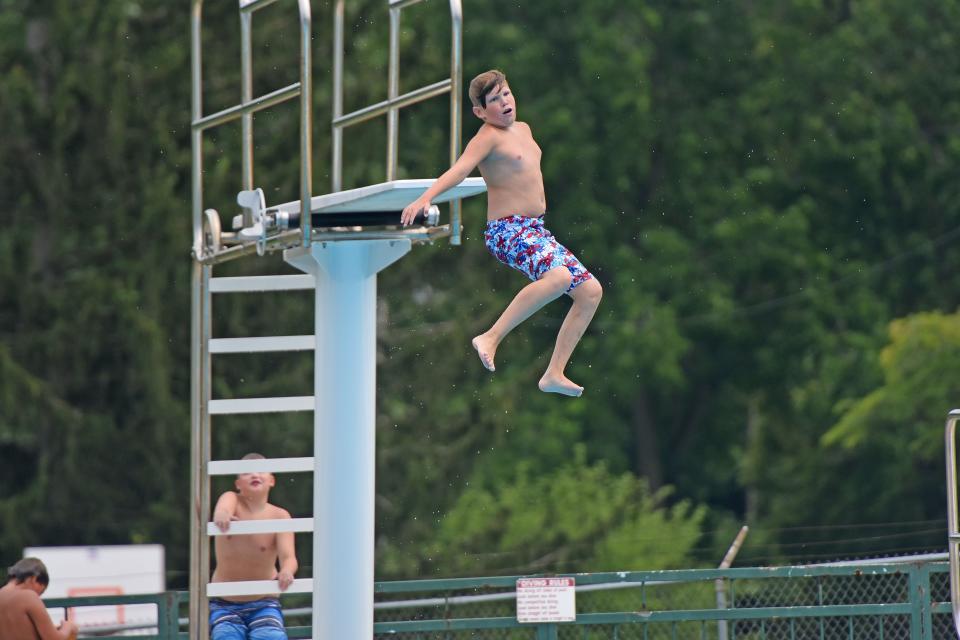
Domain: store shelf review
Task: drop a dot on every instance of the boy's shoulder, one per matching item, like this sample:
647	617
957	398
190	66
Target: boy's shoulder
278	512
489	134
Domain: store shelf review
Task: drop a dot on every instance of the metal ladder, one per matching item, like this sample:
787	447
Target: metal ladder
208	251
953	518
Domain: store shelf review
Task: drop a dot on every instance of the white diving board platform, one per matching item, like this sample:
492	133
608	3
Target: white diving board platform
386	196
371	212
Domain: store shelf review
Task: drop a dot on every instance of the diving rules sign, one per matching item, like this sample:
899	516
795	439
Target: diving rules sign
546	600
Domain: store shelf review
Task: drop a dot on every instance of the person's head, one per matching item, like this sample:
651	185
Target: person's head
256	483
31	573
492	99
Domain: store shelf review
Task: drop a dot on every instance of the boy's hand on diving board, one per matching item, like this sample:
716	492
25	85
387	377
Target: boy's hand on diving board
285	579
223	519
411	210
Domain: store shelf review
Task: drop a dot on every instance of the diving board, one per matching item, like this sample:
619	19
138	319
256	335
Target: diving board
346	214
386	196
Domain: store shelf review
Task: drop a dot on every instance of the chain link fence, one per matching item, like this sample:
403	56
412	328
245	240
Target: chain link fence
890	601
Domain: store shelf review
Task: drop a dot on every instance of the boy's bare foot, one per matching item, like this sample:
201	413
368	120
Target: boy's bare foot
486	349
560	384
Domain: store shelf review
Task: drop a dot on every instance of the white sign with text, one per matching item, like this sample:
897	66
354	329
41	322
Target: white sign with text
546	600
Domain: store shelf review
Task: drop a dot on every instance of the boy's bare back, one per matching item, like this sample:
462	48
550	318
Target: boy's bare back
24	617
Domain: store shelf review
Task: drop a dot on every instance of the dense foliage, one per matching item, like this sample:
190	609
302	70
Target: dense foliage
767	191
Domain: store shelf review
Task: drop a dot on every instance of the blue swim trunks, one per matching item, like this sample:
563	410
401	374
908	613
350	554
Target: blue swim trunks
256	620
522	242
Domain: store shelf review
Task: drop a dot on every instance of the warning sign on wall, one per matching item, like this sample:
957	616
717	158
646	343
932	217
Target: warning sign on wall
546	600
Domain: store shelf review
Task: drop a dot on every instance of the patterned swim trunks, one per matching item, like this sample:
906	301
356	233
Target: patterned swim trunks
257	620
522	242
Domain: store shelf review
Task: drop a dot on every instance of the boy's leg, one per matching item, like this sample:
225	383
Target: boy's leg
266	623
529	299
586	298
225	624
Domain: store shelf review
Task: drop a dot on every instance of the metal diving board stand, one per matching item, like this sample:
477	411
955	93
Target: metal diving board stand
347	238
370	212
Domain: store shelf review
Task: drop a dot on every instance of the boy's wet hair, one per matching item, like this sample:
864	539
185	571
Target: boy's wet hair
484	84
27	568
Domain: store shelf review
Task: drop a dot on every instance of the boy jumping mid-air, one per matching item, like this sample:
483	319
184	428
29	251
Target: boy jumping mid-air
509	161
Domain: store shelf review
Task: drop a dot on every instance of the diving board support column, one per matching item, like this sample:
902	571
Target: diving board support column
345	274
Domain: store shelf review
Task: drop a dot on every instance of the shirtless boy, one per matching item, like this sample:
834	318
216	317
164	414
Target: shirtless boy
22	614
250	557
509	161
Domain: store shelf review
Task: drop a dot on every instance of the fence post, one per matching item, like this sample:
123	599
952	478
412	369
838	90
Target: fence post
168	615
546	632
919	589
926	602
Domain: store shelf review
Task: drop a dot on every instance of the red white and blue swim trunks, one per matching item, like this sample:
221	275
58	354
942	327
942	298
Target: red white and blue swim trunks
522	242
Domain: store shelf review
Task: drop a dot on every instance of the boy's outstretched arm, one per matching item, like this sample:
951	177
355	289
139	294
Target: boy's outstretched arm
477	149
225	511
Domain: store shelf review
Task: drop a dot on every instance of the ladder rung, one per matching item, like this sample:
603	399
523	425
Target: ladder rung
261	344
269	465
241	284
247	527
256	587
260	405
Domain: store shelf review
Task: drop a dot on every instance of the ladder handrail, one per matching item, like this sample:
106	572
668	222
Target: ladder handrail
953	518
248	106
394	102
200	395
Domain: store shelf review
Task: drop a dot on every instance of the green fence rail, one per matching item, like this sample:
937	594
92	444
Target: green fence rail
890	601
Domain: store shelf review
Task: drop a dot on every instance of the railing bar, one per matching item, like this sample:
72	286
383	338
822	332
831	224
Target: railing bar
793	629
953	518
850	628
763	630
249	6
673	630
403	4
881	619
407	99
257	104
